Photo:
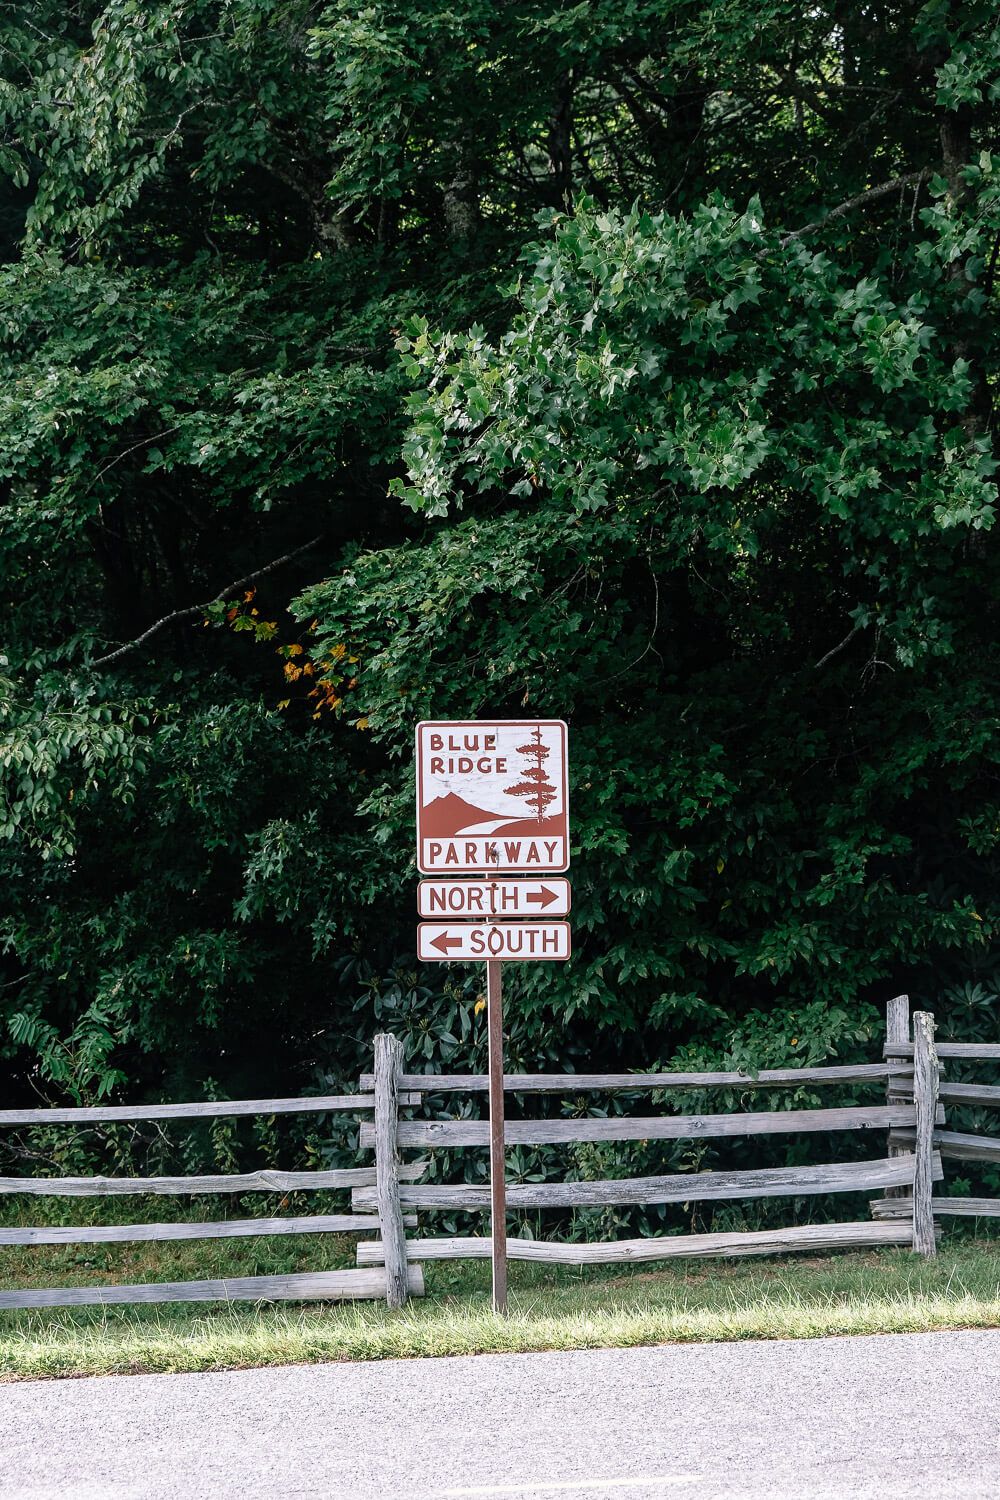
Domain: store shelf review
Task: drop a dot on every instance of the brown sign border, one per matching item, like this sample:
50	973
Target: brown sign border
481	880
502	958
480	870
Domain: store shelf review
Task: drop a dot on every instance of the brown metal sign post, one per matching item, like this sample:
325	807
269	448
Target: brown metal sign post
498	1184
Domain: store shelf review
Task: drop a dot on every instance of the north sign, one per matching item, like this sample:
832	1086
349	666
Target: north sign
494	898
446	942
492	796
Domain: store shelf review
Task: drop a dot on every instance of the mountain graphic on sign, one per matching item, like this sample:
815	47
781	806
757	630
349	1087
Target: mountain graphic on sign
449	815
446	817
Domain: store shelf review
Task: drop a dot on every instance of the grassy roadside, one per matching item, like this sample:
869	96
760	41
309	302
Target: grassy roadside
887	1292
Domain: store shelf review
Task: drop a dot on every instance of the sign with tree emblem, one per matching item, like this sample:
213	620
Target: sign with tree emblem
492	800
492	796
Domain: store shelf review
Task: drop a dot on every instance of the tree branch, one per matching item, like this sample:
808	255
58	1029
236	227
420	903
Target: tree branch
868	196
991	269
196	609
836	650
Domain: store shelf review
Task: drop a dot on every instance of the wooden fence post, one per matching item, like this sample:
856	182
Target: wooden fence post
897	1029
388	1068
926	1080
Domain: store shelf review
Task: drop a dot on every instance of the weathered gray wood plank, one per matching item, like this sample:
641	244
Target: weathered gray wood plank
333	1286
925	1097
970	1093
968	1208
805	1237
767	1182
957	1146
223	1229
214	1109
897	1029
571	1083
388	1068
266	1181
897	1020
904	1133
965	1208
900	1207
972	1051
660	1128
984	1094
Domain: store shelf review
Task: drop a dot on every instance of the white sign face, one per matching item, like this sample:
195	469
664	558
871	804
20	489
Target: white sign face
442	942
492	795
494	898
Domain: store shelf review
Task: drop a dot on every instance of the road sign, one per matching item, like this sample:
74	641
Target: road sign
494	898
440	942
492	795
493	799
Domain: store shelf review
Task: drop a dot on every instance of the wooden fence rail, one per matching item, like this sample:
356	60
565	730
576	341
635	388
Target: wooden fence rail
965	1208
810	1238
682	1187
266	1181
330	1286
642	1083
981	1094
455	1133
224	1229
970	1051
955	1145
214	1109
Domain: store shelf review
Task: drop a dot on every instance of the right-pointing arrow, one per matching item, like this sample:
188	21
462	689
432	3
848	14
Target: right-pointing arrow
444	942
542	898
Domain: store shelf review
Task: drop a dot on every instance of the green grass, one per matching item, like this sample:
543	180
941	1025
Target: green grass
551	1308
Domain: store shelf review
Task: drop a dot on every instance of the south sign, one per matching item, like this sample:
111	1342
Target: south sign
517	942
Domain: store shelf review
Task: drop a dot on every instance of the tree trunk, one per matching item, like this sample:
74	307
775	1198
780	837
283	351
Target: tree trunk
966	342
560	146
461	197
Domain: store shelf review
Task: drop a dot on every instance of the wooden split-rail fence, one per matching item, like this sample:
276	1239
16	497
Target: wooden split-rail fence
911	1115
353	1283
388	1196
953	1145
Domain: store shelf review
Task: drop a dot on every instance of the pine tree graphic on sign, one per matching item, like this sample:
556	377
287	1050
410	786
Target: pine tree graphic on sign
536	788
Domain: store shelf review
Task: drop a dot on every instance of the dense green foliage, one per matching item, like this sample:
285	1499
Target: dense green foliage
630	363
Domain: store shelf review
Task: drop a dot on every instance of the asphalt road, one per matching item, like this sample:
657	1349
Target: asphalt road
915	1415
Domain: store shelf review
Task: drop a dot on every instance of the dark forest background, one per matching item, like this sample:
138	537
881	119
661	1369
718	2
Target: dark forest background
629	362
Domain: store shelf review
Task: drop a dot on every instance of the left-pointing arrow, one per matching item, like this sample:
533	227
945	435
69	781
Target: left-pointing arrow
444	942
